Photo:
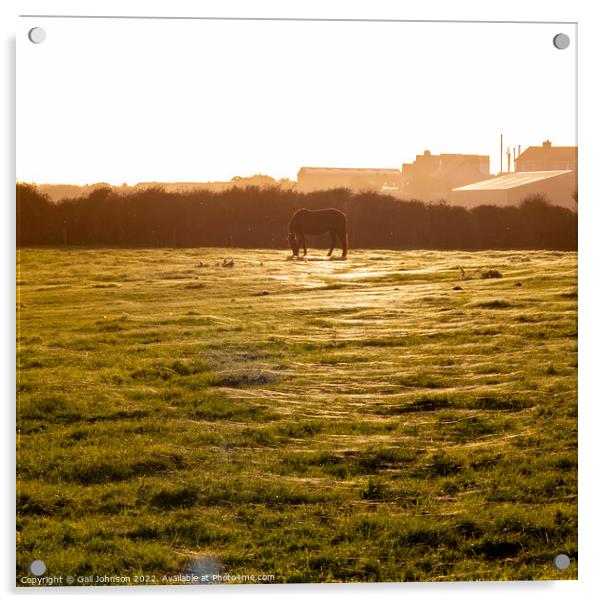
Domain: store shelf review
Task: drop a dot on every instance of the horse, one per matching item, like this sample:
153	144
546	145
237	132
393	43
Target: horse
315	222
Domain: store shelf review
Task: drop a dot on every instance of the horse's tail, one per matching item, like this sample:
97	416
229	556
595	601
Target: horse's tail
345	239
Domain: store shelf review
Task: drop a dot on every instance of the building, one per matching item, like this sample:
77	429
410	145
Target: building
558	186
433	177
356	179
546	158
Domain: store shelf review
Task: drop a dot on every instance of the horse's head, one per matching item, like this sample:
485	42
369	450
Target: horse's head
293	243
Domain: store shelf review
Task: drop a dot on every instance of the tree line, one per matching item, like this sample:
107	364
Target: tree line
258	217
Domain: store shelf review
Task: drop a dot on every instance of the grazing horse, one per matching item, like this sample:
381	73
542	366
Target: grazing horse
315	222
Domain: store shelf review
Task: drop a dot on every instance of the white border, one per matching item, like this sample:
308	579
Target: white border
586	13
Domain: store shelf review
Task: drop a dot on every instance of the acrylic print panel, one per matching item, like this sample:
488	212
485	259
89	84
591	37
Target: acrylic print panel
296	301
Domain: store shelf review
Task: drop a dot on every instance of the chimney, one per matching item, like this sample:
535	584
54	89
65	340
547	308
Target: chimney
547	144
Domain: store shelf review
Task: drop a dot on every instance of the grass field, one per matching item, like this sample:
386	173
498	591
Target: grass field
379	419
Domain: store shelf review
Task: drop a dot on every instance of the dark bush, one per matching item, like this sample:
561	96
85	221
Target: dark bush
258	217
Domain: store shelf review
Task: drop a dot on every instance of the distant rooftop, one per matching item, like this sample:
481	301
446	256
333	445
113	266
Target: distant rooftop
427	153
547	151
347	170
512	180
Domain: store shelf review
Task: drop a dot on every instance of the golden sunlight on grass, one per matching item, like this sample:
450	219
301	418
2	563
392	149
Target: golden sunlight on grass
396	416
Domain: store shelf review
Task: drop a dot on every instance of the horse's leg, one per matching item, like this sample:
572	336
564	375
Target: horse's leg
344	241
302	243
333	241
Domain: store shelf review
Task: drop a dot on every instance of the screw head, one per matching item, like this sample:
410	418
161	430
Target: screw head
561	41
561	561
36	35
37	567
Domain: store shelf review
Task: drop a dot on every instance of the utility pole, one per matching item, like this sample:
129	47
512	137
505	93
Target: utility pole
501	153
508	155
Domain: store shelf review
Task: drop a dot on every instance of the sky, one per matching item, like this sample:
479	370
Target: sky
134	100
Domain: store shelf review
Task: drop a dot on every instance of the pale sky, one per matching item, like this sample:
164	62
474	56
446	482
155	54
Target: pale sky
119	100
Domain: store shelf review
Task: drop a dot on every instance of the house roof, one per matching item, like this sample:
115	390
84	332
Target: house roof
513	180
547	153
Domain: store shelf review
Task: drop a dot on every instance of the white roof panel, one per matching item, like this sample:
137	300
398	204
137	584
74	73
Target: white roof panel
513	180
